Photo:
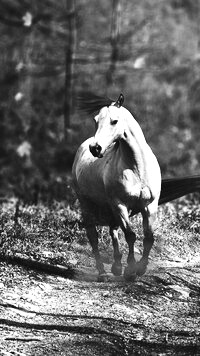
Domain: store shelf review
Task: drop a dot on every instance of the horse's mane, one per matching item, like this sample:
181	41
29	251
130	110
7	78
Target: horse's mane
91	103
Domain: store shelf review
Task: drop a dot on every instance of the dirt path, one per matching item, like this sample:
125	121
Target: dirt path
44	314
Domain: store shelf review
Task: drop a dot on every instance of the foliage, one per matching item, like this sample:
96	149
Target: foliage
40	232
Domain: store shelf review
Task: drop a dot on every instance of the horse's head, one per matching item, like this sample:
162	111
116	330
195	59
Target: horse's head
109	127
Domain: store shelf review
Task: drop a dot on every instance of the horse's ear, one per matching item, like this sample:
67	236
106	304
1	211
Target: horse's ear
119	101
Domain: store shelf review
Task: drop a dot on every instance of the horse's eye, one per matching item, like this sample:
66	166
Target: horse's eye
114	122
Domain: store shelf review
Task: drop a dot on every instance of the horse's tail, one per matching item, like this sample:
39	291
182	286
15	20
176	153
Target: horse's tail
174	188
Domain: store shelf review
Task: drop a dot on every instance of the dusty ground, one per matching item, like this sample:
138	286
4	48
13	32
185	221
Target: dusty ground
46	314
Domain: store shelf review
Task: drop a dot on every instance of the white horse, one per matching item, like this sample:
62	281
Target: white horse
116	175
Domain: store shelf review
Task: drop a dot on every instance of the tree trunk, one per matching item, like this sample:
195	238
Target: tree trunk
114	39
69	62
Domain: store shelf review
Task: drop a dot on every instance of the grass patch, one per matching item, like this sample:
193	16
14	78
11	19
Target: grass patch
55	233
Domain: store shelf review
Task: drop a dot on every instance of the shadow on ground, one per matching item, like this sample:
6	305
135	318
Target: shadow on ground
46	313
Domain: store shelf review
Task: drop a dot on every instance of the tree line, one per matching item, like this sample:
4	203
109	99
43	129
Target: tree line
51	51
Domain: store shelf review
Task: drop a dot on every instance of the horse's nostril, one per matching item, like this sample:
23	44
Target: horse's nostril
95	149
98	148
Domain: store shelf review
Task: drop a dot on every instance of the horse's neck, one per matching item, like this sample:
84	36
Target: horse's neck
134	147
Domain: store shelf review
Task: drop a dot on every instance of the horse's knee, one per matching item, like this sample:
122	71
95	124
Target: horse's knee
92	236
130	238
148	240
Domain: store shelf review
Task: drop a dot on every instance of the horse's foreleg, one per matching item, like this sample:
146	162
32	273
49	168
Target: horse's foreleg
117	265
149	217
93	239
123	218
130	270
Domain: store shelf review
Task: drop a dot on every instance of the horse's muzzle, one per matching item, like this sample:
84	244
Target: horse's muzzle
95	149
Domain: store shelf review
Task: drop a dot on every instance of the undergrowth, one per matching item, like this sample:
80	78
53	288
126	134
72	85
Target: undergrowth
55	232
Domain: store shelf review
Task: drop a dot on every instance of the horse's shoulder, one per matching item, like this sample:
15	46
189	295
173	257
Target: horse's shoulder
83	150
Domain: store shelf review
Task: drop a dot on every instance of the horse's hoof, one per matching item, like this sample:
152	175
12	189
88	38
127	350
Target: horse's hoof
116	269
129	275
103	277
141	268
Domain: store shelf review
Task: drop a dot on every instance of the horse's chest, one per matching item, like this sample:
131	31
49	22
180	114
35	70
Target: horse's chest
123	186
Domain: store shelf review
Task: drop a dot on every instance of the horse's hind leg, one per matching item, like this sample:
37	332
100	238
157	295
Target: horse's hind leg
149	217
117	265
92	234
93	239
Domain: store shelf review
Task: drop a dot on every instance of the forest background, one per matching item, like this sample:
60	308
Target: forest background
51	51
